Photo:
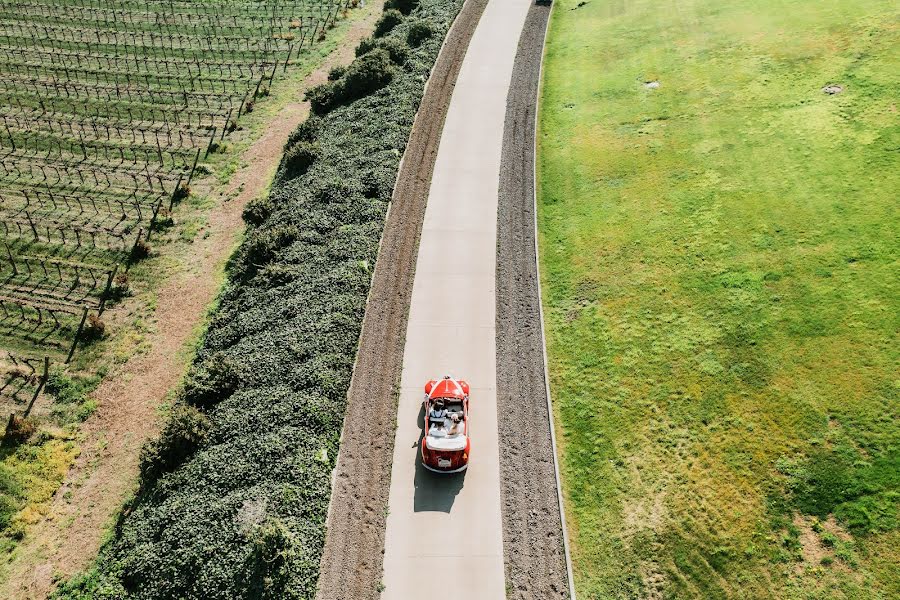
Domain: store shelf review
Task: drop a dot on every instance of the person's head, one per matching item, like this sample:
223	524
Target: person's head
439	404
454	417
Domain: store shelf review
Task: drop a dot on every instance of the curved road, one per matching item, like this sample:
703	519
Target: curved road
439	525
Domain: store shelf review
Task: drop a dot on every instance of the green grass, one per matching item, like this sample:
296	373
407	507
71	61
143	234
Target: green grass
719	260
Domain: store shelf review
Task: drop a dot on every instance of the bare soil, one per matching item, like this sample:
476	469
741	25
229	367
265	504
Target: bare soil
810	545
352	562
128	402
533	544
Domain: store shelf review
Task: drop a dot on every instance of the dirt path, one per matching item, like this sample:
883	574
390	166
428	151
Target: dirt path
106	471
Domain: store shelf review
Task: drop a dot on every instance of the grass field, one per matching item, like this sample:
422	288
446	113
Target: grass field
719	259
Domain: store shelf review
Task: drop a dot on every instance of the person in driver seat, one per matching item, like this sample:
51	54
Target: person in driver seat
437	417
438	413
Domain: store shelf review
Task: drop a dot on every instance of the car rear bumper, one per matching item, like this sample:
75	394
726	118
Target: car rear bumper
437	470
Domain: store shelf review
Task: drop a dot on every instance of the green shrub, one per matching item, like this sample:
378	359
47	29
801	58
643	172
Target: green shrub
258	210
395	46
336	72
397	49
390	19
365	46
305	132
261	248
185	430
299	158
210	381
404	6
322	98
272	545
419	31
367	74
91	585
275	275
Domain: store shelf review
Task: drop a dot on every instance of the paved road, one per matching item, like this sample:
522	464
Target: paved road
451	527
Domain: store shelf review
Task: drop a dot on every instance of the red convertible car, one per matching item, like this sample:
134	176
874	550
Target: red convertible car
445	447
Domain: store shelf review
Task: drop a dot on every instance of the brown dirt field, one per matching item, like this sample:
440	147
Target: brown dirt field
127	413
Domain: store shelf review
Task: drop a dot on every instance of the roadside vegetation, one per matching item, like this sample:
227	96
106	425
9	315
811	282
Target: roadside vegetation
234	493
719	244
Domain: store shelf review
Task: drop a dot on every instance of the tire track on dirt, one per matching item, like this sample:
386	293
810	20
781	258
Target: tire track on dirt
533	534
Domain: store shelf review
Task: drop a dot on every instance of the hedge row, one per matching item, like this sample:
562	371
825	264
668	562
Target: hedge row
234	493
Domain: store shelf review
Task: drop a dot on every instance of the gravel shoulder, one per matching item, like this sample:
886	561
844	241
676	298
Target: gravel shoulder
352	562
533	542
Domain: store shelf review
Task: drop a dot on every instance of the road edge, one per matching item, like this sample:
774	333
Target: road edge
537	257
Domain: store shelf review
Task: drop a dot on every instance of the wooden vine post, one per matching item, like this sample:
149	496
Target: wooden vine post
153	218
11	259
227	122
212	140
134	246
196	158
40	386
77	335
105	296
175	191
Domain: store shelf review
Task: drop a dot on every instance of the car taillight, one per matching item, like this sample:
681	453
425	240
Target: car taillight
465	456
